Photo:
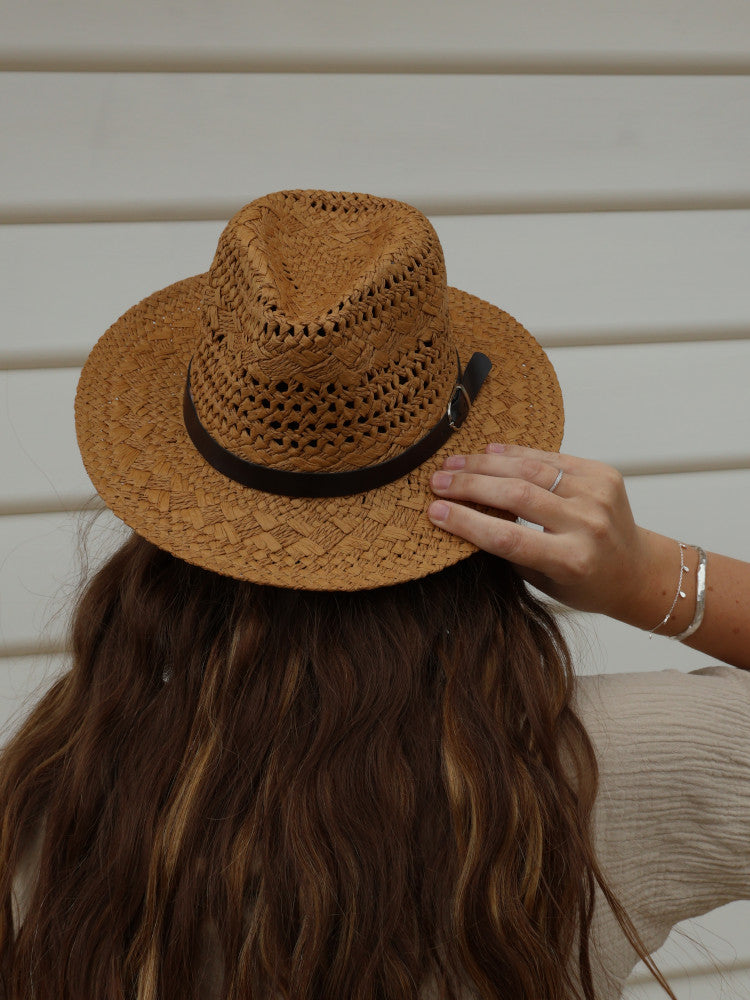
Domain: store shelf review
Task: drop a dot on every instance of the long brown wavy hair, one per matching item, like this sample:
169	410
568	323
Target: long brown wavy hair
249	792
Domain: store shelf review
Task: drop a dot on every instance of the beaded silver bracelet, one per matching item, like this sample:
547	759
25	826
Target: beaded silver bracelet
700	597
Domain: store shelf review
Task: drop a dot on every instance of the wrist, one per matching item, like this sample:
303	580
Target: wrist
658	584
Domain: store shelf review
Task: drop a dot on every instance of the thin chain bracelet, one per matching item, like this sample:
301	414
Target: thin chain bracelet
680	592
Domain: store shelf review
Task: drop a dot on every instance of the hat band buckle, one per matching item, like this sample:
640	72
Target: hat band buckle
459	393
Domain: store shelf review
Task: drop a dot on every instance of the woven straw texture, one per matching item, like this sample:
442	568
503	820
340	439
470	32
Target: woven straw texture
323	338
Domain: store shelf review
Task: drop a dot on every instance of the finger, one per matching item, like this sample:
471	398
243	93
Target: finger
568	463
532	470
581	477
520	497
543	474
525	547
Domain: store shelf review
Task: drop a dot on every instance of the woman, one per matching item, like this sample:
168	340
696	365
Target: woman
315	743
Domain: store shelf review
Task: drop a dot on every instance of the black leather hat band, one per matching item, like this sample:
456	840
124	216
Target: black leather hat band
335	484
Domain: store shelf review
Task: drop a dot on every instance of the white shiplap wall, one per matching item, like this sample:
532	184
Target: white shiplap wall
585	165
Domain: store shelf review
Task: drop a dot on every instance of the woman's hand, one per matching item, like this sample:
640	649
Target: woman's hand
591	555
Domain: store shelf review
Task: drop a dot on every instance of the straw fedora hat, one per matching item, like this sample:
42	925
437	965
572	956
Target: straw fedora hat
278	418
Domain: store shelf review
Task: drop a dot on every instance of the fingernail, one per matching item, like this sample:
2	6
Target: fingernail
455	462
441	480
497	448
438	511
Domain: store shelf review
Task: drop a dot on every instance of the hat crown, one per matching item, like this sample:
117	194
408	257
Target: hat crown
326	339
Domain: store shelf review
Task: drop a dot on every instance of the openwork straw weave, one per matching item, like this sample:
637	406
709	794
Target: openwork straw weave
323	338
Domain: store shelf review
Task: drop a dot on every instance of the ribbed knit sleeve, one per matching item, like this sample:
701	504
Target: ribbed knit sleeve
672	819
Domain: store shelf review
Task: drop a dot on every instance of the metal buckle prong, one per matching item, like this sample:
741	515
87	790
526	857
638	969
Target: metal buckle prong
455	396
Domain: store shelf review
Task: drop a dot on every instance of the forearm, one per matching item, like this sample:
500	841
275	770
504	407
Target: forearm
725	630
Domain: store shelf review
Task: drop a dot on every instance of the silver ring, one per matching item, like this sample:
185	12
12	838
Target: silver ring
556	483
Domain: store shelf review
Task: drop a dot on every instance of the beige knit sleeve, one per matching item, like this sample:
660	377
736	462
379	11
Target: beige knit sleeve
672	820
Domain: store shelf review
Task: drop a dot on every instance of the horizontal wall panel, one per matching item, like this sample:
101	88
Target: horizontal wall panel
100	146
570	278
327	32
717	936
657	407
643	408
41	555
23	680
607	276
43	562
720	985
91	274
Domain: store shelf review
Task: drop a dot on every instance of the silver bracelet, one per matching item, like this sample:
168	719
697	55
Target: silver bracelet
680	591
700	597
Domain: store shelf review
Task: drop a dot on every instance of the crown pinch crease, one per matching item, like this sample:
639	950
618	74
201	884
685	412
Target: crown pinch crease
332	484
326	341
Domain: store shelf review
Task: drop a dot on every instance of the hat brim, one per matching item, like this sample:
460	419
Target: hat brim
144	466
